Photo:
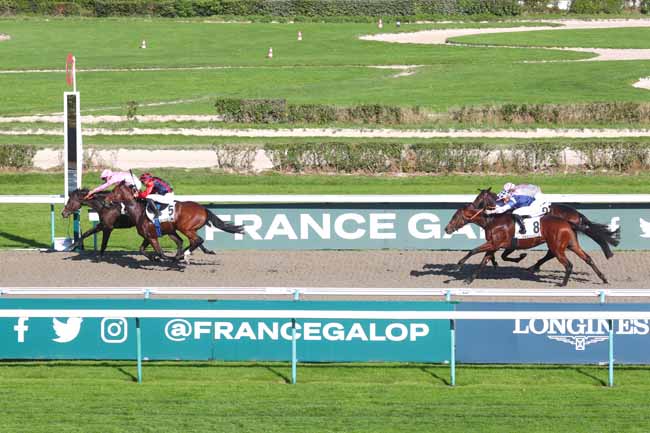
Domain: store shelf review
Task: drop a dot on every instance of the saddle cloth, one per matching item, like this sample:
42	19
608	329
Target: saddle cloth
533	228
167	213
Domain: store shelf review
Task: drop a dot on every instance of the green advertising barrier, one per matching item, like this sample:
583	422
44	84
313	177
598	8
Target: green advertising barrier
317	340
389	226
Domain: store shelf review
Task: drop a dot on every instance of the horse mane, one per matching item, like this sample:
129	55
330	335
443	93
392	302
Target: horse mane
83	191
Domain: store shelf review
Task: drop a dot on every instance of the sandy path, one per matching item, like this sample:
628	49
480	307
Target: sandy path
602	54
432	269
351	133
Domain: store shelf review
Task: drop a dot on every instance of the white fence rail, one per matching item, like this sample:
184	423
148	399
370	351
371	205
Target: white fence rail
349	198
296	292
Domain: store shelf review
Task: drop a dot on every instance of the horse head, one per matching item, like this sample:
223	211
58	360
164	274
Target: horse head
75	200
463	216
485	199
121	193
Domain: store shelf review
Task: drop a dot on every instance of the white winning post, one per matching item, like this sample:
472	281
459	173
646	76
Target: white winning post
72	144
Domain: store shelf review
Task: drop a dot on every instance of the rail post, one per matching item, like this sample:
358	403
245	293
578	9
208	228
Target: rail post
611	354
294	349
452	338
138	343
52	224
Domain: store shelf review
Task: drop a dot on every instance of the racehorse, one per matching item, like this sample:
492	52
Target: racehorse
110	217
499	229
599	233
189	217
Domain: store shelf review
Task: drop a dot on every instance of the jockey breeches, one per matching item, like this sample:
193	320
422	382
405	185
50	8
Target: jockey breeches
166	199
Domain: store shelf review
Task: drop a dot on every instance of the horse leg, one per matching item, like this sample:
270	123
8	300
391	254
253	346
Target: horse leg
479	249
493	260
549	255
179	245
106	234
159	255
568	266
205	249
84	235
143	247
506	253
584	256
195	242
487	256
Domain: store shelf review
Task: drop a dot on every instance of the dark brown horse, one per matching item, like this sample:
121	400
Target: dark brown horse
599	233
558	234
110	218
189	217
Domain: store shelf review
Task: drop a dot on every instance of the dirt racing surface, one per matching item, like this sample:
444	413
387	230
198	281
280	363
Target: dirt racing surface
396	269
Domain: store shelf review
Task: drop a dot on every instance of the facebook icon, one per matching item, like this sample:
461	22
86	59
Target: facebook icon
21	328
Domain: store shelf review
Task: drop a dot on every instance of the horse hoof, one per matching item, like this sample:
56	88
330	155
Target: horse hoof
532	269
468	281
522	256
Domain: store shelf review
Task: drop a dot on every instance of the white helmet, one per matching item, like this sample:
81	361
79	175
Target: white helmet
509	186
502	195
106	174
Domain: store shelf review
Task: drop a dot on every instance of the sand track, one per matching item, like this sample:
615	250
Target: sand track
408	269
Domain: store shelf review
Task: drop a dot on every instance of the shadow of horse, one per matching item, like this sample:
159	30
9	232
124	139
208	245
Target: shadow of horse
128	260
451	271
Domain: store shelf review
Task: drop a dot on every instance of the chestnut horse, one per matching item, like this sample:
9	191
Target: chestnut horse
110	218
189	217
558	234
599	233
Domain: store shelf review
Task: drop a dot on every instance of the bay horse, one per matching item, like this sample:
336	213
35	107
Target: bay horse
189	217
558	234
110	218
599	233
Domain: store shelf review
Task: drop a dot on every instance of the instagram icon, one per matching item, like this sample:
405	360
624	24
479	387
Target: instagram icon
114	330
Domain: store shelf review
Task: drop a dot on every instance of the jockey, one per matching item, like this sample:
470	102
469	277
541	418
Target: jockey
113	178
156	190
525	199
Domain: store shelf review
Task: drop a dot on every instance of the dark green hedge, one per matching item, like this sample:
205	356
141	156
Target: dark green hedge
16	156
279	111
441	158
272	8
596	6
594	113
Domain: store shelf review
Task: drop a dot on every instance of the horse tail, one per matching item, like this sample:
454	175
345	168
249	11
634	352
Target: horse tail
224	225
599	233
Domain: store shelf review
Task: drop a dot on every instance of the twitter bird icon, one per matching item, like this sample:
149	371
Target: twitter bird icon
66	331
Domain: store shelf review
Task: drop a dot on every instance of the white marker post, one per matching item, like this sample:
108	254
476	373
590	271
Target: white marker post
72	144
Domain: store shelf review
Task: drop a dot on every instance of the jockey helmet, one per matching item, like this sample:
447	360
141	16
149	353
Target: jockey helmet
106	174
502	195
509	186
145	176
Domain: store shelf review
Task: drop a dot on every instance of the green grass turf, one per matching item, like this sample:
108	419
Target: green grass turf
629	37
28	226
324	68
241	397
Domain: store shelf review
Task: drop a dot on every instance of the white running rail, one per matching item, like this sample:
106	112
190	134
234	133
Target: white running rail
350	198
323	291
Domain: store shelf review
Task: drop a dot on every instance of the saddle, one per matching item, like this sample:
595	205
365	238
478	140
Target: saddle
167	212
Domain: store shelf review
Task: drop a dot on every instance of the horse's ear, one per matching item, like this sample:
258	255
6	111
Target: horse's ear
489	189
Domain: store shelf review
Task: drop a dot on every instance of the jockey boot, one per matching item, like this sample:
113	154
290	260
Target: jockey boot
520	222
153	207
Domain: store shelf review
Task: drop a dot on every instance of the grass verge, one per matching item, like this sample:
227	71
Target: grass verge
247	397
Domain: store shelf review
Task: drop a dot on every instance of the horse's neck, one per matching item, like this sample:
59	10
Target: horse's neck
96	204
134	209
